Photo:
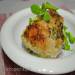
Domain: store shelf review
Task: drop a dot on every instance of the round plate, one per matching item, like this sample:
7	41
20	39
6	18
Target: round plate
12	45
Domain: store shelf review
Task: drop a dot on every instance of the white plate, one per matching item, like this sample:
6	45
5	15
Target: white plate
11	43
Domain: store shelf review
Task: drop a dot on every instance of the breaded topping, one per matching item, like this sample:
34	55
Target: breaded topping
37	34
45	38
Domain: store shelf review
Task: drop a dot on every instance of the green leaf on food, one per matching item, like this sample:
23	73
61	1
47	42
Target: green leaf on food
48	5
67	46
71	37
36	9
68	38
43	7
66	41
46	16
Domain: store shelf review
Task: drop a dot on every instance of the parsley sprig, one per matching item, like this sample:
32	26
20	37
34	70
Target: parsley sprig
68	38
43	10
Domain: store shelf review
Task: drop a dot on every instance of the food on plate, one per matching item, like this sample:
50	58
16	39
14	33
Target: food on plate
46	35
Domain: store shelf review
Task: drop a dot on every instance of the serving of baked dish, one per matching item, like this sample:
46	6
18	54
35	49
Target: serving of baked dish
46	33
41	39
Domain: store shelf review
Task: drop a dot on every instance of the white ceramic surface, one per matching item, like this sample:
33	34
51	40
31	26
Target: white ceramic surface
11	43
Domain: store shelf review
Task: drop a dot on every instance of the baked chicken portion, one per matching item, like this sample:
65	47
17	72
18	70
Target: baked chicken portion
45	38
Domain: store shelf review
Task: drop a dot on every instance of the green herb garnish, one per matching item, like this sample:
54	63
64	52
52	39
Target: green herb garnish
68	38
46	16
42	11
48	5
36	9
66	41
67	46
71	37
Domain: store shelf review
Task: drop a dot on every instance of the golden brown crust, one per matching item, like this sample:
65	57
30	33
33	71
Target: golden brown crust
44	38
37	34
